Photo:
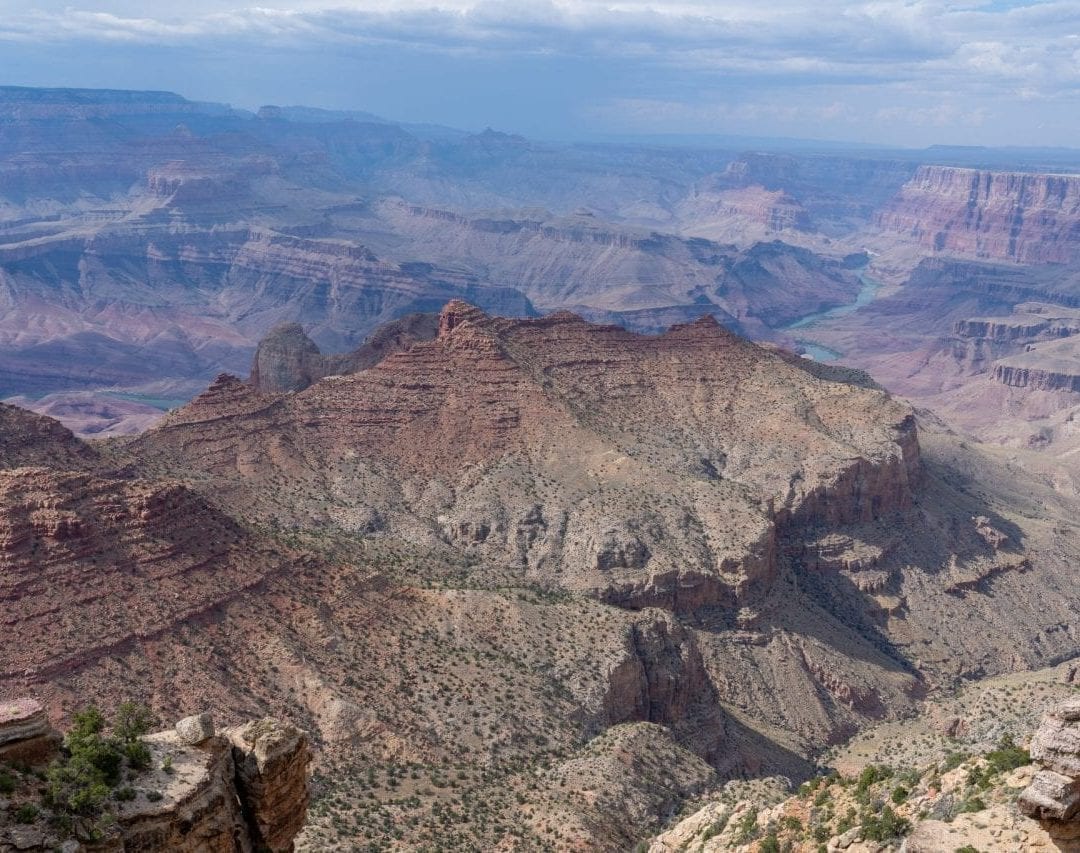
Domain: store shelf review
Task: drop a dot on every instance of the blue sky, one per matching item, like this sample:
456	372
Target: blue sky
908	73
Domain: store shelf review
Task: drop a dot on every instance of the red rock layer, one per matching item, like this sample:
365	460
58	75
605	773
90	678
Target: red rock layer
605	424
1029	218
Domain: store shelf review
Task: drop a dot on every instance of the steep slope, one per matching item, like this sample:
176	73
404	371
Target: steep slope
1029	218
585	414
784	512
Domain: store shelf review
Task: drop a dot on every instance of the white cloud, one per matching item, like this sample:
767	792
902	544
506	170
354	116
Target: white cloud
932	63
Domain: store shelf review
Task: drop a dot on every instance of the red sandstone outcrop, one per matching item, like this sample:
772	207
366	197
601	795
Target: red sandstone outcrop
1030	218
271	780
81	543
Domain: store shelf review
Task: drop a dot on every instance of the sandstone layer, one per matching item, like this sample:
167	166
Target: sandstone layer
1030	218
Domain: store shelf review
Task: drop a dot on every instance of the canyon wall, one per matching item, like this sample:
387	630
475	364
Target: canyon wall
1027	218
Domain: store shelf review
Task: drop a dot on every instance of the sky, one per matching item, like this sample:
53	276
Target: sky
895	73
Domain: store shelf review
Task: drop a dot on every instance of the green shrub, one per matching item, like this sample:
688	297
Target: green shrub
899	794
872	775
79	783
972	804
769	844
884	826
26	813
138	755
132	722
746	829
154	796
7	782
1008	756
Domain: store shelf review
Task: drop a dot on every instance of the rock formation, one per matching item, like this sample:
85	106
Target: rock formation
288	360
493	394
25	732
1030	218
243	790
1053	797
271	780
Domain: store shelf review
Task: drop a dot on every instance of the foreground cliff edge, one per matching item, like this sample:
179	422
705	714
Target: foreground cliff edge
185	790
529	582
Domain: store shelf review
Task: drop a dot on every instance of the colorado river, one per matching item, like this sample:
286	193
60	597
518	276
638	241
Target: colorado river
866	295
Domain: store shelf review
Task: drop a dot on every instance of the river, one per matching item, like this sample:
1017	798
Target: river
816	351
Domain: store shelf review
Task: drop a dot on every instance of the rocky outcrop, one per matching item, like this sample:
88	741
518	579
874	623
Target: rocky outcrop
1037	378
287	360
30	439
271	779
1029	218
1053	797
25	733
242	791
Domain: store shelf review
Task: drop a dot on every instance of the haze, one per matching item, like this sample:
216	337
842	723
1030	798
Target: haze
991	73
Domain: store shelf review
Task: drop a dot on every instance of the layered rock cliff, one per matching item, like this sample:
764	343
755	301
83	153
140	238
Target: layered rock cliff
1028	218
503	399
288	360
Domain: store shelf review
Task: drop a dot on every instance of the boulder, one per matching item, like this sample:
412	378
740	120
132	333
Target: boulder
195	729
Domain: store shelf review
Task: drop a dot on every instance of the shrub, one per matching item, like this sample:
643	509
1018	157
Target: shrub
769	844
1008	756
973	804
884	826
26	813
154	796
79	783
7	782
138	755
132	722
746	829
871	775
899	794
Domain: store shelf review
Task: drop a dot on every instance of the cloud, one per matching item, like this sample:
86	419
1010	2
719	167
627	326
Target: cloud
831	62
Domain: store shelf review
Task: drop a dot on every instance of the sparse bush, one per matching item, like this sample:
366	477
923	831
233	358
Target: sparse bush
26	813
884	826
1008	756
769	844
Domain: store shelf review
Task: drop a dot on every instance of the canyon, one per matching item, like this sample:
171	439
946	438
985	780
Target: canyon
488	534
501	469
